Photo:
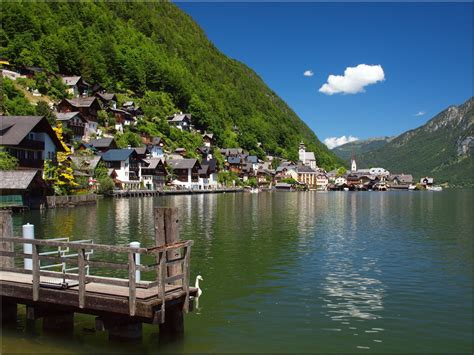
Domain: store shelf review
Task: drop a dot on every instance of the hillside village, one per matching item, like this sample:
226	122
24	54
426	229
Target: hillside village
80	149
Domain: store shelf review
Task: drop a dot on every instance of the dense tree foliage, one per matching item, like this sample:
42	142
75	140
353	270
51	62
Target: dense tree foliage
7	161
155	51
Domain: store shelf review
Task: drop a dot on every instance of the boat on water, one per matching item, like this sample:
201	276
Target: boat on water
412	187
346	189
434	188
254	191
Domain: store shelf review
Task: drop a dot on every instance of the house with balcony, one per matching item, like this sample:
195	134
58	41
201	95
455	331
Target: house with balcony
154	173
181	121
127	166
185	173
87	106
30	139
74	125
76	86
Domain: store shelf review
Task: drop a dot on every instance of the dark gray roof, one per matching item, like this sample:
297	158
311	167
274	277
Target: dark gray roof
306	169
140	150
156	140
252	159
117	154
66	116
16	179
101	142
106	96
233	160
13	129
182	163
178	117
82	101
71	80
152	162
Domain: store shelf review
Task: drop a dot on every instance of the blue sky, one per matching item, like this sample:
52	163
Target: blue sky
424	51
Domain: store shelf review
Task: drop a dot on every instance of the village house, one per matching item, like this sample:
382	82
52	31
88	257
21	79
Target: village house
23	188
181	121
126	164
307	176
103	144
427	181
307	158
208	174
107	100
76	86
185	172
322	181
234	164
75	123
208	139
130	107
264	176
122	119
205	152
340	181
86	164
400	181
87	106
286	171
154	173
155	147
30	139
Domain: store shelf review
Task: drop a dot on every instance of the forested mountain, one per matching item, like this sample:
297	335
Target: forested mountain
442	148
154	50
359	147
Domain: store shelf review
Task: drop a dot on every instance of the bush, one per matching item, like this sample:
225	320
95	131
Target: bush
106	186
7	162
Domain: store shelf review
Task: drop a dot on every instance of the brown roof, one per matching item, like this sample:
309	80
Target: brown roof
13	129
82	101
16	179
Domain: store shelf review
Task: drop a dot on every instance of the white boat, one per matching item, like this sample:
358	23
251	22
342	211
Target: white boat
346	189
412	187
254	191
434	188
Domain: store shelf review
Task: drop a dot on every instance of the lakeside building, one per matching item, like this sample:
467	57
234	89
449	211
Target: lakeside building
307	158
30	139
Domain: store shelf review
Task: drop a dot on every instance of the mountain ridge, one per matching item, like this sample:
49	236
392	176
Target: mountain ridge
442	148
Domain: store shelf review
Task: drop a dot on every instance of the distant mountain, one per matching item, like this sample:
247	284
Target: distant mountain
359	147
442	148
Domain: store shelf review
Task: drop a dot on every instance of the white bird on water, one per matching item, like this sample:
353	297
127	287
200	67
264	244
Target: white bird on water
198	278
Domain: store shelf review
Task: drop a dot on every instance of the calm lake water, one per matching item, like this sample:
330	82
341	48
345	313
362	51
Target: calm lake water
294	272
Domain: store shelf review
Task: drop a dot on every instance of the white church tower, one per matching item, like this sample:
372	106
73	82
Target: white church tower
353	161
302	153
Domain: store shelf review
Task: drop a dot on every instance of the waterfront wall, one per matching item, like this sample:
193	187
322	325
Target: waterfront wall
70	200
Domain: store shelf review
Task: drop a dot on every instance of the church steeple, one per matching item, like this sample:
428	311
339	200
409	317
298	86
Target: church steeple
353	160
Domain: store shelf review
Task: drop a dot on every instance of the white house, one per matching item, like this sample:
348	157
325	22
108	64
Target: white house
341	180
181	121
127	166
322	181
156	147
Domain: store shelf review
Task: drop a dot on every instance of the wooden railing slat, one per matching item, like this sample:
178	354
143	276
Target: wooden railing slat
132	291
174	278
36	274
186	269
82	279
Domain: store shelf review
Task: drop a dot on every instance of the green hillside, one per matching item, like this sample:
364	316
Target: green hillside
442	148
154	50
359	147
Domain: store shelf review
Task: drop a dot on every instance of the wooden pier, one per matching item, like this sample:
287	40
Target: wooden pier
120	304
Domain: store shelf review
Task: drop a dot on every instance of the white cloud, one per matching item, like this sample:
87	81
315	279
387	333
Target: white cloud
333	142
308	73
354	80
420	113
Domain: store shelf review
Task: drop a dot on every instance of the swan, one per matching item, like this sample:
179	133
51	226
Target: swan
198	278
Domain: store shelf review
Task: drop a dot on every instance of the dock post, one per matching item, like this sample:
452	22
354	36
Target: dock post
60	321
6	231
167	232
28	233
137	260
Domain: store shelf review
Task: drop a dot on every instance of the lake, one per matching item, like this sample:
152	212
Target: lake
293	272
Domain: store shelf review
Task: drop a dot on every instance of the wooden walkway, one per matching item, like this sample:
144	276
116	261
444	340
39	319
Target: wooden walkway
128	299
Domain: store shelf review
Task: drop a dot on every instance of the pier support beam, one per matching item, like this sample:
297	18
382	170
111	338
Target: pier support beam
59	322
8	311
174	321
121	329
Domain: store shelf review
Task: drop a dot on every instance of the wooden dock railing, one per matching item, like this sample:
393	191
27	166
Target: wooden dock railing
171	263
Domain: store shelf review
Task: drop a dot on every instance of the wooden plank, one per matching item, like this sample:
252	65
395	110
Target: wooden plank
74	246
172	237
161	285
173	279
36	274
82	280
186	271
6	231
131	283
